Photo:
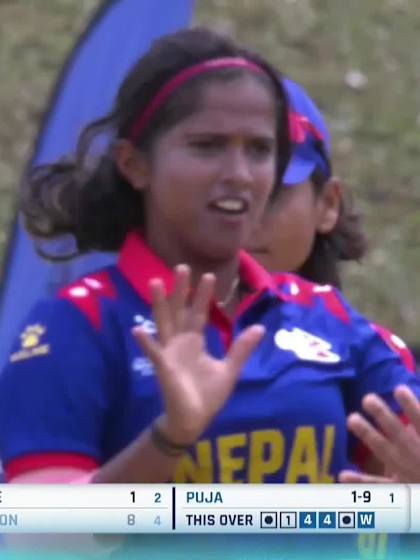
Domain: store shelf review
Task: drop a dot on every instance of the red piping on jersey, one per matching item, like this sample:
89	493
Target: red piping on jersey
140	265
302	295
28	463
404	419
305	293
397	346
360	455
85	294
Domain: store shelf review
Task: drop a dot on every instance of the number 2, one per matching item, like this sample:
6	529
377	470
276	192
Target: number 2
157	498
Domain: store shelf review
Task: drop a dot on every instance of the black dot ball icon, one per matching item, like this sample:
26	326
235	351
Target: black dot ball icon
268	520
346	520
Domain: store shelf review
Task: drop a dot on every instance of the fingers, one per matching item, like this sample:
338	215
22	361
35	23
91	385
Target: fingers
353	477
371	437
161	310
388	422
149	346
409	405
185	315
398	445
179	297
199	312
243	346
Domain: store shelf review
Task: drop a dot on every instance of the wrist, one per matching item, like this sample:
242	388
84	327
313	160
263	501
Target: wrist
169	441
176	433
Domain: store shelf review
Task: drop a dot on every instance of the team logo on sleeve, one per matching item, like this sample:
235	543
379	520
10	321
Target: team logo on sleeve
143	366
31	344
306	346
146	324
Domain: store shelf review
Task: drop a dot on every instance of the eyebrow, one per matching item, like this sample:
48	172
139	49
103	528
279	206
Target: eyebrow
223	136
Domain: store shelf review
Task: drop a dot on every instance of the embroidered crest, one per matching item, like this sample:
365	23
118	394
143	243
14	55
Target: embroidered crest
31	344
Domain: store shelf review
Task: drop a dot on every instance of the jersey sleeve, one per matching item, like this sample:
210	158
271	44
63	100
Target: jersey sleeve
55	392
383	361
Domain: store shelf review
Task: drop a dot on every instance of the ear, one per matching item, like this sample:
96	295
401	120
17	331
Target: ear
328	205
132	164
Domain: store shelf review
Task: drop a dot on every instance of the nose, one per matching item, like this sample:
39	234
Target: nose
237	167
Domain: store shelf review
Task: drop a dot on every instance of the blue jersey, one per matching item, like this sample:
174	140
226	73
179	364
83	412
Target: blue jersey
78	389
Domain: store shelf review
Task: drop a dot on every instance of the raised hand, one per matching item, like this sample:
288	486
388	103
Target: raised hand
397	446
194	385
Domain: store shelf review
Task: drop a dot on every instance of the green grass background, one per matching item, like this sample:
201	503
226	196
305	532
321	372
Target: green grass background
359	59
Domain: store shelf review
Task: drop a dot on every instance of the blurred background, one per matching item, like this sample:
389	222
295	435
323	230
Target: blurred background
359	60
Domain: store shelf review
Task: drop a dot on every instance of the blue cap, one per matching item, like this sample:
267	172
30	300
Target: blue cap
309	136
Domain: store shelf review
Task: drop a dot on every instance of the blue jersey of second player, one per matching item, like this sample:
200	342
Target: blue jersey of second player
78	389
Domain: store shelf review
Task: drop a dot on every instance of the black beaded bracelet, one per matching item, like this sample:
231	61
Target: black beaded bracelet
165	445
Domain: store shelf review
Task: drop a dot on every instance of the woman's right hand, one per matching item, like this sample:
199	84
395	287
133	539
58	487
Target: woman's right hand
194	385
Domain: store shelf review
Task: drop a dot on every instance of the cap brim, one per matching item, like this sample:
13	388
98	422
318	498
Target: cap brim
299	170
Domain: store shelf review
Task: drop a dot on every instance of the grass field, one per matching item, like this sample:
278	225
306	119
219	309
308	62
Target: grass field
359	60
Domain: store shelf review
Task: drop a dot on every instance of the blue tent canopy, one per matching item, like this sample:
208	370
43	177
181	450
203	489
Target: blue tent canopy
118	33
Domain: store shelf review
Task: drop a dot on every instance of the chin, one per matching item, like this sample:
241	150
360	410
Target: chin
218	251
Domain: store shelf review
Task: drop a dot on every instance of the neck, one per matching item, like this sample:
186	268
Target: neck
225	270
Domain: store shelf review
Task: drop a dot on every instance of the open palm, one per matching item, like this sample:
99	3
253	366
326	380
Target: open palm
395	445
194	385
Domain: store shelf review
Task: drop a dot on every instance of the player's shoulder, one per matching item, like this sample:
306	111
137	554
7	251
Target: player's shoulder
88	293
319	297
359	331
72	318
396	344
78	304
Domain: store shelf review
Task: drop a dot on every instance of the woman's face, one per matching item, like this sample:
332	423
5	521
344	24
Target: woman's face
284	239
209	177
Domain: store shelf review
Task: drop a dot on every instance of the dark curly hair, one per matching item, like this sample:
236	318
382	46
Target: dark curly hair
85	195
346	242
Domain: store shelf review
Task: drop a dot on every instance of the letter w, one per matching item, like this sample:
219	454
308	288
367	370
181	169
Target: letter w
365	519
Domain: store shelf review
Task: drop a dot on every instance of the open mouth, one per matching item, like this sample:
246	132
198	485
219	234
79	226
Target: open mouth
230	205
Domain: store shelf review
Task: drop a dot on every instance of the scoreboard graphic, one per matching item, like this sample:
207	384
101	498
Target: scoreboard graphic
224	508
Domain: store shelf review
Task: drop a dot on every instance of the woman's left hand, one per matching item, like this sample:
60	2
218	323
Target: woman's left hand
397	446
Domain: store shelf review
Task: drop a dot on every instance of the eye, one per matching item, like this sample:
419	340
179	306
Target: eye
206	144
261	149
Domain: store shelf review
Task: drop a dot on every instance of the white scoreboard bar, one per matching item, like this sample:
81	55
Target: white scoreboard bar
222	508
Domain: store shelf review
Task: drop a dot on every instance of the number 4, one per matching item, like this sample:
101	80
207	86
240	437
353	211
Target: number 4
157	520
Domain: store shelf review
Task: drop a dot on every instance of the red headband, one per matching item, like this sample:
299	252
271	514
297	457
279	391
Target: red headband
183	76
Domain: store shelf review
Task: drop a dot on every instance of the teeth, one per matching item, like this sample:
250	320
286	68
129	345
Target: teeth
230	205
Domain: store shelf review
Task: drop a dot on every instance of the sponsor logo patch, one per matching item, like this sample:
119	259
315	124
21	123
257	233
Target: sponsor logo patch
306	346
31	344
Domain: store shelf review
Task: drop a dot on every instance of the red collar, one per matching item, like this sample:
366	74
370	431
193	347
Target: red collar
139	265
